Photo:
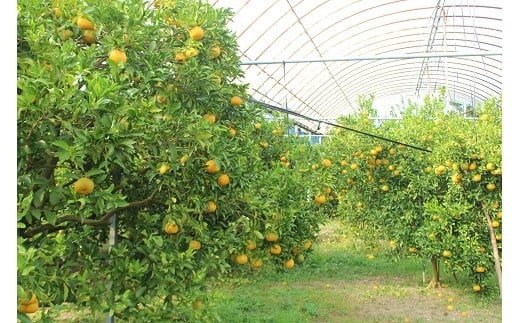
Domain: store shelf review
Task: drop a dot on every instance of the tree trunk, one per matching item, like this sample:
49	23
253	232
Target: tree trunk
496	256
435	283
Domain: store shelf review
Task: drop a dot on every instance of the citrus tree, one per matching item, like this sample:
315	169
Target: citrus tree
143	169
432	189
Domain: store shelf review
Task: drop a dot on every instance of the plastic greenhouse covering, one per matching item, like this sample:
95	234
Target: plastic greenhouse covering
315	58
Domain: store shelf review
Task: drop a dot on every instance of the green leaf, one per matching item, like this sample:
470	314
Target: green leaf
39	196
50	216
54	197
93	172
62	144
23	318
258	234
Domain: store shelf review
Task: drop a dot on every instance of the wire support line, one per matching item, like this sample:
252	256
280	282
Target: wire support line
375	57
296	114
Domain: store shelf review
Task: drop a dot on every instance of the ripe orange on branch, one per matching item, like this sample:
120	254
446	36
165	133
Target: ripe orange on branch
215	52
320	199
212	167
289	263
195	244
276	249
241	259
84	186
116	55
271	236
28	306
236	101
85	24
196	33
212	207
171	228
223	180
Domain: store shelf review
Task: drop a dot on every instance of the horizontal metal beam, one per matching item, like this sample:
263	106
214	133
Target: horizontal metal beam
374	58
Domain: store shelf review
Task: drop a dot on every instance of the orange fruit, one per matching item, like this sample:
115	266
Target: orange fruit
57	12
320	199
385	188
215	52
28	306
495	224
307	244
171	228
412	249
223	180
195	244
196	33
326	162
180	58
354	166
480	269
197	304
300	258
283	159
490	167
211	167
251	245
66	34
84	186
89	37
258	126
440	170
257	263
241	259
476	288
162	99
191	52
276	249
116	55
32	300
212	207
490	187
210	117
236	101
476	178
289	263
85	24
264	144
233	131
446	253
271	236
164	168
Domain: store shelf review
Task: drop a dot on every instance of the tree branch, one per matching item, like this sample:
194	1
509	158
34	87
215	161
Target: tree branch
104	220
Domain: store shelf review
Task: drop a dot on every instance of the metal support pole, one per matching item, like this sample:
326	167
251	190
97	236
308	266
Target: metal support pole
375	58
111	242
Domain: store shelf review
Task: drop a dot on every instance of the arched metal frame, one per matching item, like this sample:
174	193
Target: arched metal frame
272	33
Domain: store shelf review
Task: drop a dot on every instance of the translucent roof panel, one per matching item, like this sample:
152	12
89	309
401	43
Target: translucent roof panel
316	57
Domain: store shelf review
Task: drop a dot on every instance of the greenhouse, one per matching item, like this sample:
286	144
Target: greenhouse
260	161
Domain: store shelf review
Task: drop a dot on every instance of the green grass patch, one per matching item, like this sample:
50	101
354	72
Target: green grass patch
339	283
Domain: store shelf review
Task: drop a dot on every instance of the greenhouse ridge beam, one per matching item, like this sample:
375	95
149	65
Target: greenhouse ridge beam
296	114
373	58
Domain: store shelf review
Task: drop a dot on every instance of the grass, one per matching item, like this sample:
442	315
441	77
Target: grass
338	283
